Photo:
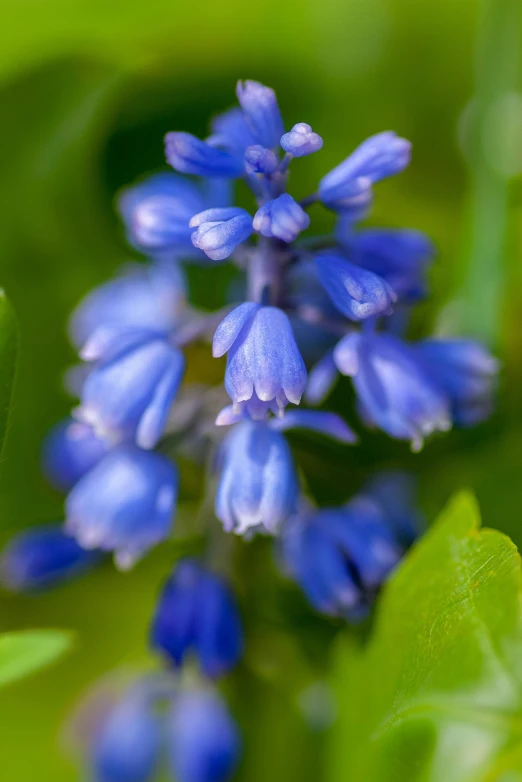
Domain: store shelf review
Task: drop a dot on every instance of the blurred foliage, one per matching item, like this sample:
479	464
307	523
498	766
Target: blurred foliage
8	354
23	653
87	90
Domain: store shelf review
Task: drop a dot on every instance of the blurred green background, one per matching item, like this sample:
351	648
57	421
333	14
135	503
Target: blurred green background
87	91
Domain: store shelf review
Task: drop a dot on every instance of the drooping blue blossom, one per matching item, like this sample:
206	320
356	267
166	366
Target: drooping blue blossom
125	504
43	557
197	614
282	218
259	104
70	450
189	155
301	140
376	158
130	390
264	363
258	483
203	741
356	292
340	556
219	231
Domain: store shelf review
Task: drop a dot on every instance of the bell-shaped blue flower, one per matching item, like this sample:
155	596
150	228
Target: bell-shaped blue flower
203	742
264	362
466	372
376	158
393	389
258	483
41	558
356	292
219	231
197	614
130	391
70	450
340	556
259	104
125	504
282	218
301	140
142	297
259	160
127	746
189	155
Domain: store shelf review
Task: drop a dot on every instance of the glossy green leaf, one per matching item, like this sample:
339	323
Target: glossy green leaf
437	693
8	353
25	652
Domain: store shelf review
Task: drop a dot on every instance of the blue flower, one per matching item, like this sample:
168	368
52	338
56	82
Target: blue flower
301	140
340	556
259	104
376	158
259	160
466	372
197	613
264	362
218	231
394	493
189	155
150	298
231	131
129	392
70	450
124	504
258	484
42	557
127	745
282	218
393	390
356	292
321	379
202	739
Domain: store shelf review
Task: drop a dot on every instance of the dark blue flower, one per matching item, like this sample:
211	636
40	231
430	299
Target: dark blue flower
264	363
202	739
259	160
70	450
189	155
130	390
301	140
356	292
197	613
259	104
340	556
282	218
125	504
258	483
376	158
219	231
42	557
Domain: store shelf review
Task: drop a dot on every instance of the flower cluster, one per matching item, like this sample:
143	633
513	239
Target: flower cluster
312	308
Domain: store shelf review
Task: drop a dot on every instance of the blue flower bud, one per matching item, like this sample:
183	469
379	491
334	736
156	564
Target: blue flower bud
392	387
203	742
70	450
219	231
301	140
127	746
262	114
197	613
124	504
356	292
130	391
258	484
150	297
263	358
259	160
340	556
376	158
189	155
282	218
42	557
466	372
230	130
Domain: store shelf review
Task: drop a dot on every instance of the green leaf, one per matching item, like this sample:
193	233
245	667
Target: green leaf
437	693
25	652
8	353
